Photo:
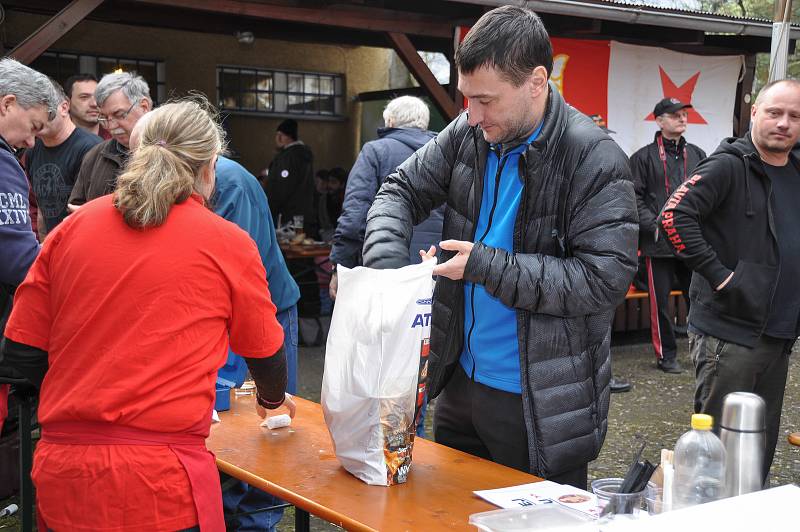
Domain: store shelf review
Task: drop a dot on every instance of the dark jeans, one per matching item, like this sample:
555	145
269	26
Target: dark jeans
660	276
723	367
489	423
241	498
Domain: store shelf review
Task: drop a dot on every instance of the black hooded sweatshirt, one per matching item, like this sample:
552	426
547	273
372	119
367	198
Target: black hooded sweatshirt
721	221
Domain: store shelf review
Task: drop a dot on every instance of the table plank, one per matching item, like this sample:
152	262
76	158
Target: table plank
299	251
298	465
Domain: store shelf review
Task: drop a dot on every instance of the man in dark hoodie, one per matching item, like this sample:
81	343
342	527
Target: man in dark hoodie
406	131
658	169
734	222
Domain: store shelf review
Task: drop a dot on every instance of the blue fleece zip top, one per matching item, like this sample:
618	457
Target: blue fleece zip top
18	244
240	199
491	351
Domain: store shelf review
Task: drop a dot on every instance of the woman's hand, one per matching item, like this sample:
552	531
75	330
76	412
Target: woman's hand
288	403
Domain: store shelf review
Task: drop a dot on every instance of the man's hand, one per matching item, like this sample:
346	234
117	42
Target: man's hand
454	268
72	208
428	255
288	403
333	285
724	283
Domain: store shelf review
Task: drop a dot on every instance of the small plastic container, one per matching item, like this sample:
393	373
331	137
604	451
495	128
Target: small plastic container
654	499
544	517
222	402
607	491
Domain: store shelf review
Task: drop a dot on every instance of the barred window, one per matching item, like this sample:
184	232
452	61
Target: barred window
280	92
61	65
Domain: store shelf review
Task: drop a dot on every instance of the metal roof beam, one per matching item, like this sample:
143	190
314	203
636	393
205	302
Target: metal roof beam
634	14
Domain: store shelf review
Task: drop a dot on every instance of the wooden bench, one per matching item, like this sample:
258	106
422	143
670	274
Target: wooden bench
633	314
641	294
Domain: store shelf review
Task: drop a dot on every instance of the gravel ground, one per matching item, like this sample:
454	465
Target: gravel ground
658	409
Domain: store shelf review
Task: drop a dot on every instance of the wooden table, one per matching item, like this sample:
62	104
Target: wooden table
298	251
298	465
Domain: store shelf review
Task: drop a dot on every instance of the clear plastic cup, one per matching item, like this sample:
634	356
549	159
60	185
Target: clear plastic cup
654	499
607	492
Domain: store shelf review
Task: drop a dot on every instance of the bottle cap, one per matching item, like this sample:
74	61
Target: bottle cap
702	422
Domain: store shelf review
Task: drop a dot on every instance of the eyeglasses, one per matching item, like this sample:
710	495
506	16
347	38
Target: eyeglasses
119	115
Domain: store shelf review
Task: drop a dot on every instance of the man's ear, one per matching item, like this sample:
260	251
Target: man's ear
538	81
6	102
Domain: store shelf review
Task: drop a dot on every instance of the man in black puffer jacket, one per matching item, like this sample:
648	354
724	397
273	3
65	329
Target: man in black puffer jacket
541	213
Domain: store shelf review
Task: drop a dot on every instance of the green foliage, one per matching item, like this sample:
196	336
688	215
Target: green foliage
757	9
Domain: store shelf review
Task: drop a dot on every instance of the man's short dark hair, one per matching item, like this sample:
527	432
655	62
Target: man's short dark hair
59	90
511	39
75	79
766	88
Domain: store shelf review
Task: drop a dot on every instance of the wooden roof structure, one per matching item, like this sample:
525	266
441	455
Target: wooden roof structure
407	26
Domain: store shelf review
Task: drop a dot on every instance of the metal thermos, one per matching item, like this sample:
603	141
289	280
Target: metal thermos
743	433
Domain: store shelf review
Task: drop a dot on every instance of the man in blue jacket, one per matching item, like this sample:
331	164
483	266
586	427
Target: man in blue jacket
240	199
27	101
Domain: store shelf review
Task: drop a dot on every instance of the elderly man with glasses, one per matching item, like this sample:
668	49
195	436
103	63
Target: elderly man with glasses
123	98
658	169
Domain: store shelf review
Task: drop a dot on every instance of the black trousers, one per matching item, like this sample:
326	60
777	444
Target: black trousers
660	276
723	367
489	423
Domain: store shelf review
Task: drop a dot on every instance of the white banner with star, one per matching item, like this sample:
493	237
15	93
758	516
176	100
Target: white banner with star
640	76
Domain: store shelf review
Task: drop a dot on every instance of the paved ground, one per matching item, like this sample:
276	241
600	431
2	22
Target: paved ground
657	409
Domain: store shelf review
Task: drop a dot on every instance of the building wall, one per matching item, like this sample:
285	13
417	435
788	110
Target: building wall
191	60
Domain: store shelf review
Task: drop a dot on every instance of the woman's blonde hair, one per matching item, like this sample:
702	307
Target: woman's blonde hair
176	141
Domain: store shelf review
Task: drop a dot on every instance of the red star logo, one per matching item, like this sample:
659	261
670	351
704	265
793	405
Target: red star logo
683	93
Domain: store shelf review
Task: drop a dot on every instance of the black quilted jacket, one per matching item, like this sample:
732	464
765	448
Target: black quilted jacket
574	257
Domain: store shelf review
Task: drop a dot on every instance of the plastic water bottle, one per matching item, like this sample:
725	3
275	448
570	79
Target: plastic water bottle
699	465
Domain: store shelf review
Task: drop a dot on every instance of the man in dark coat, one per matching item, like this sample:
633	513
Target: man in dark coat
289	184
290	179
658	169
541	230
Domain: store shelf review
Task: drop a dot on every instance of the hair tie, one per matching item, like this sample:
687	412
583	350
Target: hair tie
162	142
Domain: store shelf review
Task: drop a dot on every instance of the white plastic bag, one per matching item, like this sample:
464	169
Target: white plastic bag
375	368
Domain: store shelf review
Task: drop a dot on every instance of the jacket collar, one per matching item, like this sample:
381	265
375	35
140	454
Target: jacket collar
115	151
670	146
6	146
555	119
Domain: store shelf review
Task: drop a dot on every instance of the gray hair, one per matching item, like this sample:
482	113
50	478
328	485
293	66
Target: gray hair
133	86
407	111
31	88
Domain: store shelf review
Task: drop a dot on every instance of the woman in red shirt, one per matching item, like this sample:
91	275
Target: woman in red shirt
124	320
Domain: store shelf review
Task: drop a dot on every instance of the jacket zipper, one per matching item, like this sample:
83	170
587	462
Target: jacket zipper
770	224
498	174
522	220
